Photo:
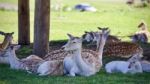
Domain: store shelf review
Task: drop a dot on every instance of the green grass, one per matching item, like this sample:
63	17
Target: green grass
8	76
120	18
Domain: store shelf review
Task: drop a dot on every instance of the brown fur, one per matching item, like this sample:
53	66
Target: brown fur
86	54
31	64
122	49
111	39
57	67
7	41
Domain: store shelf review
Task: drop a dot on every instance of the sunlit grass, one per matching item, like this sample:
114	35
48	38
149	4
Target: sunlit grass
119	17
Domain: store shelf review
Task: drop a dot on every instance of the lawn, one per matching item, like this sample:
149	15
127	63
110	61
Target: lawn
115	14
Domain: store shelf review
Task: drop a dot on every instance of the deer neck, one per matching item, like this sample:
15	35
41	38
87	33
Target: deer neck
5	43
100	49
79	60
14	61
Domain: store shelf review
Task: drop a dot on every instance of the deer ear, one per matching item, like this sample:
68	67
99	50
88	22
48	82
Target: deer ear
106	32
70	36
2	33
99	28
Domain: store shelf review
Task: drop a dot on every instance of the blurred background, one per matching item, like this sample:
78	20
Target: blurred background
77	16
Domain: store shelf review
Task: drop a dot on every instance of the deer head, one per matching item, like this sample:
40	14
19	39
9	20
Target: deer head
74	43
142	26
104	33
9	37
103	36
88	36
11	49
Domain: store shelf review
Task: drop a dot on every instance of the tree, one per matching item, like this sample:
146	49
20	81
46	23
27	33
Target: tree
41	27
23	22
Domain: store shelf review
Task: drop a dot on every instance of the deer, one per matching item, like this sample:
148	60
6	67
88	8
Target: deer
33	63
6	42
94	37
123	49
120	48
124	67
143	29
132	66
145	64
84	65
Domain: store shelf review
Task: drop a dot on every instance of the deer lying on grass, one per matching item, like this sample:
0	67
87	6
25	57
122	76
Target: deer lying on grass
76	63
123	49
94	37
131	66
7	41
144	63
33	63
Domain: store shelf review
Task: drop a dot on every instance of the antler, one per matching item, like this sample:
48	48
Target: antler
2	33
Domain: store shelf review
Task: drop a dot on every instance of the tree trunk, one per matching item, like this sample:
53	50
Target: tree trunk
41	27
23	22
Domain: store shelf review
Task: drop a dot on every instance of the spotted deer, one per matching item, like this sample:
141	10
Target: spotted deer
123	49
6	42
32	63
84	65
94	37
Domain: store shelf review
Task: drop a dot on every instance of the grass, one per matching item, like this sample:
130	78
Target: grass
120	18
22	77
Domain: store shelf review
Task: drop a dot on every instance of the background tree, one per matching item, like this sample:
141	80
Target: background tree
41	27
23	22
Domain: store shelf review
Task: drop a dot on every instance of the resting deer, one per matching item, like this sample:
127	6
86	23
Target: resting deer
33	63
124	67
144	63
123	49
132	66
7	41
94	37
76	63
